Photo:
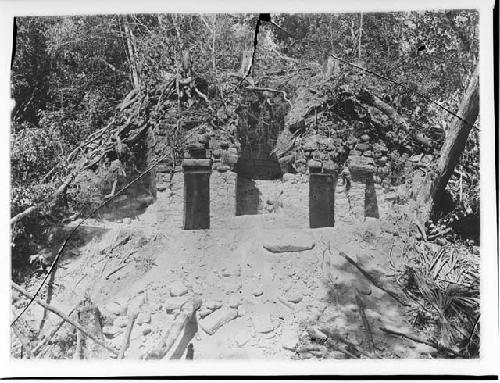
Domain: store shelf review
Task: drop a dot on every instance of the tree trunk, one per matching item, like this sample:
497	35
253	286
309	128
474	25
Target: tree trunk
67	319
214	60
132	54
434	185
360	33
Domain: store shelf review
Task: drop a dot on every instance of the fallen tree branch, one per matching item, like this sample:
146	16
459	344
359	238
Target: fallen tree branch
343	351
64	317
366	324
421	228
95	161
129	99
128	331
49	173
24	342
385	108
79	346
390	112
38	348
205	98
373	280
419	340
188	309
439	233
339	338
91	139
115	270
52	199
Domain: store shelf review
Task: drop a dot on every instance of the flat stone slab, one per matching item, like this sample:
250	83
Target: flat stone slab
289	242
203	312
213	305
263	323
178	289
216	320
174	303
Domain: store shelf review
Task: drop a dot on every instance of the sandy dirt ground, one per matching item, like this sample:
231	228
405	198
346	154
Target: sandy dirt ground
256	303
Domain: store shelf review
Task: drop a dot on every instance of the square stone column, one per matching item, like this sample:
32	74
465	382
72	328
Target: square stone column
197	193
322	184
371	205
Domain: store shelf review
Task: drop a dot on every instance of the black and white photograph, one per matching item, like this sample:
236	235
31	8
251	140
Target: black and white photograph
244	186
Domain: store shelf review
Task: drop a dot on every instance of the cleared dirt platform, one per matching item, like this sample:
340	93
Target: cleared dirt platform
256	303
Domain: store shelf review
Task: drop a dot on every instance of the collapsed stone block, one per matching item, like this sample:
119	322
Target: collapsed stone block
216	320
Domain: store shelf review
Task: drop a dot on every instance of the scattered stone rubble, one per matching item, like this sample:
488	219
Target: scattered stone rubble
155	317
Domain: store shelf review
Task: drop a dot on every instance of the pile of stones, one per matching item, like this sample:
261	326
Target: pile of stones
222	150
377	151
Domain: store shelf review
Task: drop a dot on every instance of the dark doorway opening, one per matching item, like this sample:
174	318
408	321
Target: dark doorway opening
261	117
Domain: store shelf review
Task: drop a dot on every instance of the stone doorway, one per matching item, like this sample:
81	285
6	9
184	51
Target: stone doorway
261	118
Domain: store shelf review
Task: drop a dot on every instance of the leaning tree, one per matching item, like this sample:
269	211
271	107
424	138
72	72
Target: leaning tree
431	189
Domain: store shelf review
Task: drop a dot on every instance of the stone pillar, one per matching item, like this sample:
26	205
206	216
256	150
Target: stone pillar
197	193
371	206
322	184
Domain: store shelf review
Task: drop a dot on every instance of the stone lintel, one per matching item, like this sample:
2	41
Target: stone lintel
197	164
327	168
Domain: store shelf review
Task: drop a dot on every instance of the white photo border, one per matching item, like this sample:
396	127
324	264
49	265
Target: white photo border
489	258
